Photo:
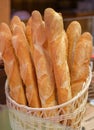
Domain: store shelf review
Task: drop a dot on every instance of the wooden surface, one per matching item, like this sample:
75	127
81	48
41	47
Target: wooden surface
88	121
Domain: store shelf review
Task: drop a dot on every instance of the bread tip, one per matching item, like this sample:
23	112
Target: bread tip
47	10
15	18
4	28
36	16
88	36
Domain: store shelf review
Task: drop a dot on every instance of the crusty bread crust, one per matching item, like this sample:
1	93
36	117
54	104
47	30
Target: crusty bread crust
73	33
58	49
20	45
46	83
80	66
11	65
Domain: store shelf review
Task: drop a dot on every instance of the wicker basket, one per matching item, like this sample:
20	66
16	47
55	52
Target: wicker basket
69	114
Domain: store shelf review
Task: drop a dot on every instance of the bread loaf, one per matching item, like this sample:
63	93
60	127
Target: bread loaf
58	49
11	65
80	66
20	45
73	33
46	83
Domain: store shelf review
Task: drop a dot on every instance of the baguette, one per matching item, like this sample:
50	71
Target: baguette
11	65
46	83
73	33
58	49
42	63
80	66
26	66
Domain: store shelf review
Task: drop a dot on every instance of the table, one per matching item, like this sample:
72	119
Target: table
88	121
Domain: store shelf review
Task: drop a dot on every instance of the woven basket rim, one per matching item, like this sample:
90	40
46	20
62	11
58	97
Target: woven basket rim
84	89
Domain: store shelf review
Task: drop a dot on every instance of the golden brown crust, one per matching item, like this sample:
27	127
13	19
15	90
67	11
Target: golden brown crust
46	83
50	63
58	49
29	35
38	28
80	67
11	65
73	33
26	66
45	79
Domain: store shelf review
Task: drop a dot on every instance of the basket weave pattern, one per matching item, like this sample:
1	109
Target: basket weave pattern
69	114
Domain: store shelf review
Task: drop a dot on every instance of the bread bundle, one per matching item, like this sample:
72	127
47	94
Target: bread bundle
45	64
79	54
27	73
11	65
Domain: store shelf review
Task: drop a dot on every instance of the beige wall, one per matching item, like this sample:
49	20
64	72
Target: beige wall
4	11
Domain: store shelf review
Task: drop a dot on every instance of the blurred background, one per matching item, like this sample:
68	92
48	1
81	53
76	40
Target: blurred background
81	10
69	8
